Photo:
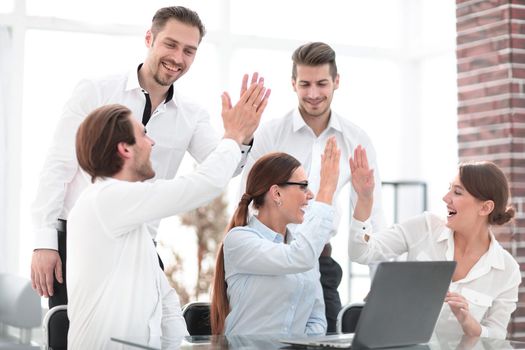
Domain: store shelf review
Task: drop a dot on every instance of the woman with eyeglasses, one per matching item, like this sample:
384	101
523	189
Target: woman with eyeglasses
266	280
484	288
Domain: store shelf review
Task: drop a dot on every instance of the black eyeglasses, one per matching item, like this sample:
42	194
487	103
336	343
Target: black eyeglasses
302	185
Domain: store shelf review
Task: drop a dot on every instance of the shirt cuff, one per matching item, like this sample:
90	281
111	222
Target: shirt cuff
232	144
46	238
361	228
246	148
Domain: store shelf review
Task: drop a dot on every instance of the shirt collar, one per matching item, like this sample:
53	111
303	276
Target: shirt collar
494	256
298	121
133	83
265	231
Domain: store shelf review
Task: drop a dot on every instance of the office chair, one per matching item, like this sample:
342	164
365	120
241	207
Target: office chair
197	317
55	326
19	307
348	317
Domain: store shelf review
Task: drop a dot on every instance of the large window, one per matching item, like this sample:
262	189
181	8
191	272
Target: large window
395	58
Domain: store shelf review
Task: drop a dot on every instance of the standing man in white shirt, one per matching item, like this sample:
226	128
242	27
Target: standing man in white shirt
177	125
116	288
303	133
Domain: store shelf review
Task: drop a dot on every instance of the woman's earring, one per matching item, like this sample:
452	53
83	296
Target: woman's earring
279	203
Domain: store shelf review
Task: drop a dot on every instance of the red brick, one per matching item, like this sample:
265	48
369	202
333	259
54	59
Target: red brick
517	28
484	150
499	74
518	72
484	61
518	13
485	47
495	31
516	102
478	6
518	177
517	43
485	106
504	88
470	120
486	135
473	22
518	117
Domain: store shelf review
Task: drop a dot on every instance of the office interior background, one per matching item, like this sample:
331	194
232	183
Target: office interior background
396	59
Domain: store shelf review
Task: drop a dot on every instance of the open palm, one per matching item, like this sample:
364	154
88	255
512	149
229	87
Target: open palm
362	175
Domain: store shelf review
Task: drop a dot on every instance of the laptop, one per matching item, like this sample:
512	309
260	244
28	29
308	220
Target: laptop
402	307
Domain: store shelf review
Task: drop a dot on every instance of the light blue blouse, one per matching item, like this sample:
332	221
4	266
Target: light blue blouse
274	287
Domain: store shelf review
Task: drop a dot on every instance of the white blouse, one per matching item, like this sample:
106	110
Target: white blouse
491	286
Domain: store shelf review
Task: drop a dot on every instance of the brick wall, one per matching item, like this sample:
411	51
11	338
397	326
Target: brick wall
491	107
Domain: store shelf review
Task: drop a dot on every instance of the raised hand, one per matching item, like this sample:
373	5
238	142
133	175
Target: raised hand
244	83
329	171
241	120
362	175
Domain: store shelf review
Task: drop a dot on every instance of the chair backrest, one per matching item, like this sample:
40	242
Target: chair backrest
197	317
55	327
348	317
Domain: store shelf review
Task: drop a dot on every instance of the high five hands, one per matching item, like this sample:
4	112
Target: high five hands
329	171
241	121
363	183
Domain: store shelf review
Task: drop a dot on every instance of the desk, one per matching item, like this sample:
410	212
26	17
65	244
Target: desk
269	342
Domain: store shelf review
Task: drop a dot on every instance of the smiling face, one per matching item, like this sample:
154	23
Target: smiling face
315	88
171	52
294	198
464	210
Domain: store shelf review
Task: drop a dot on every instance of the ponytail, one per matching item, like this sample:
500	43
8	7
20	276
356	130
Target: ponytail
270	169
220	305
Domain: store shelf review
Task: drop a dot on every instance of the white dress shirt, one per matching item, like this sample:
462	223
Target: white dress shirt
115	285
176	126
274	287
491	286
290	134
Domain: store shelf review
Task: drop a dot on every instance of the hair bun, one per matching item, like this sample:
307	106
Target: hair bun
504	217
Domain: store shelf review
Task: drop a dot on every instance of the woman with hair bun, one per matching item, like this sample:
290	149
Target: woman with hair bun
484	288
266	279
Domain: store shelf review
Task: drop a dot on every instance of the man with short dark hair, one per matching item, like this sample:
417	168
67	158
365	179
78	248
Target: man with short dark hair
115	286
177	124
303	133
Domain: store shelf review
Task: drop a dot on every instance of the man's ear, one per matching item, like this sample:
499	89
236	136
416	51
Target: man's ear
149	38
294	82
124	150
336	82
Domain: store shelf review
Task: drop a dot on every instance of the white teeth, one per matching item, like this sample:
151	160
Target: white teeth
171	68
